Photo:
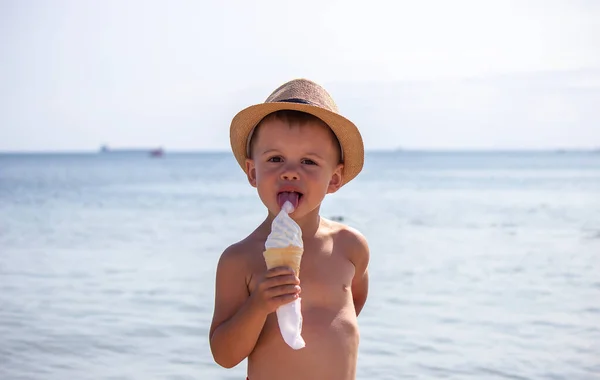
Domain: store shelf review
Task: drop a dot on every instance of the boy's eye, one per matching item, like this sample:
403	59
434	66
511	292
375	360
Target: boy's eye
308	162
275	159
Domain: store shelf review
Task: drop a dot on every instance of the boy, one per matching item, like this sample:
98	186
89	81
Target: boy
294	147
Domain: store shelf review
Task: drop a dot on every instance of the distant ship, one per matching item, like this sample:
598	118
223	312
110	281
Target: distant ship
158	152
152	152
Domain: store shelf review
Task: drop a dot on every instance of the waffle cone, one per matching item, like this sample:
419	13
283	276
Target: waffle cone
289	256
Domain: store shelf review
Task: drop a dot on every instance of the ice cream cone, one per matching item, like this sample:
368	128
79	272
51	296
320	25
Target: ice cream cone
289	256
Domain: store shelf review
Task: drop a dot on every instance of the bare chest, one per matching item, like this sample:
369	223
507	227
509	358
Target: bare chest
325	274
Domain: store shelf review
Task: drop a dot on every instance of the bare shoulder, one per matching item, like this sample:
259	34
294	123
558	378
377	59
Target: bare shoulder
236	252
234	256
350	240
238	255
233	263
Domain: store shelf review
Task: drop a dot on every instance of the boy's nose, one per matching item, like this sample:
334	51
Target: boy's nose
289	174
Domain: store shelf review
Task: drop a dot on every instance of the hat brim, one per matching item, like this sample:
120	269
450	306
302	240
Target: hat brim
347	133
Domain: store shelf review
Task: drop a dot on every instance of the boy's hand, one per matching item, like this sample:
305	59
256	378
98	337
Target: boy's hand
278	286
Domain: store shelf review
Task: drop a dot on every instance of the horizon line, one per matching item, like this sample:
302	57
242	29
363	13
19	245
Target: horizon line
134	150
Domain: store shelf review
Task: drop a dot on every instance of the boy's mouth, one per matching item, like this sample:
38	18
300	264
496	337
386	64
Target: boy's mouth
292	196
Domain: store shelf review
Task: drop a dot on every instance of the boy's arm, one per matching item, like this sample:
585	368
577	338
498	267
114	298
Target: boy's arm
359	249
236	325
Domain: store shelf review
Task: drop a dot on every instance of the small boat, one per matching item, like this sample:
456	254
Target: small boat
152	152
157	152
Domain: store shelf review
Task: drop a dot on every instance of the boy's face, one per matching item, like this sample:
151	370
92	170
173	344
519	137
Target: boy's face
294	162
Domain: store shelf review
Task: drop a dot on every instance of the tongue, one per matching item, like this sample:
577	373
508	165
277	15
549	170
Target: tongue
288	196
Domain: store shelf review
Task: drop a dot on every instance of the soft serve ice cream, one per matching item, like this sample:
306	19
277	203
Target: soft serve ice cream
284	231
284	247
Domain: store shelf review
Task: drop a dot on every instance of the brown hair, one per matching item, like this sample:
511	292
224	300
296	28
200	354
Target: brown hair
293	117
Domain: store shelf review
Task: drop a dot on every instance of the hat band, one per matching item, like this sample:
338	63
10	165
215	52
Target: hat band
298	100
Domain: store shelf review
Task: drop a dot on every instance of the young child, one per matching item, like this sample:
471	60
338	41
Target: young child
296	147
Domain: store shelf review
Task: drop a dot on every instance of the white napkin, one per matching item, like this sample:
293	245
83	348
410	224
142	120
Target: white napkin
289	318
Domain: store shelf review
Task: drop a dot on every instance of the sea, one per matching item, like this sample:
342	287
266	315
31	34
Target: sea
484	265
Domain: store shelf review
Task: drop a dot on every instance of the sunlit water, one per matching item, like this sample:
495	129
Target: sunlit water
483	266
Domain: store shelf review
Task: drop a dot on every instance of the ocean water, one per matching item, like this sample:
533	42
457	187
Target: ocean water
483	265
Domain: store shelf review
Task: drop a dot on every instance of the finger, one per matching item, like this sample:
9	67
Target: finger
280	280
279	271
279	291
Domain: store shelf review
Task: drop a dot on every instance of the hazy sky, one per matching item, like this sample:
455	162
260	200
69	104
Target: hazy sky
417	74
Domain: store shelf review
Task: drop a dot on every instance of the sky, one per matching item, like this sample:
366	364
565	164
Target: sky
426	74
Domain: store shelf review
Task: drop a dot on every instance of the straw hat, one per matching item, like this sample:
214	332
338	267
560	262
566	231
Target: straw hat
307	96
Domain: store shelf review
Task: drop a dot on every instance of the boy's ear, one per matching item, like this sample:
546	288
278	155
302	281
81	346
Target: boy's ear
336	179
251	171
